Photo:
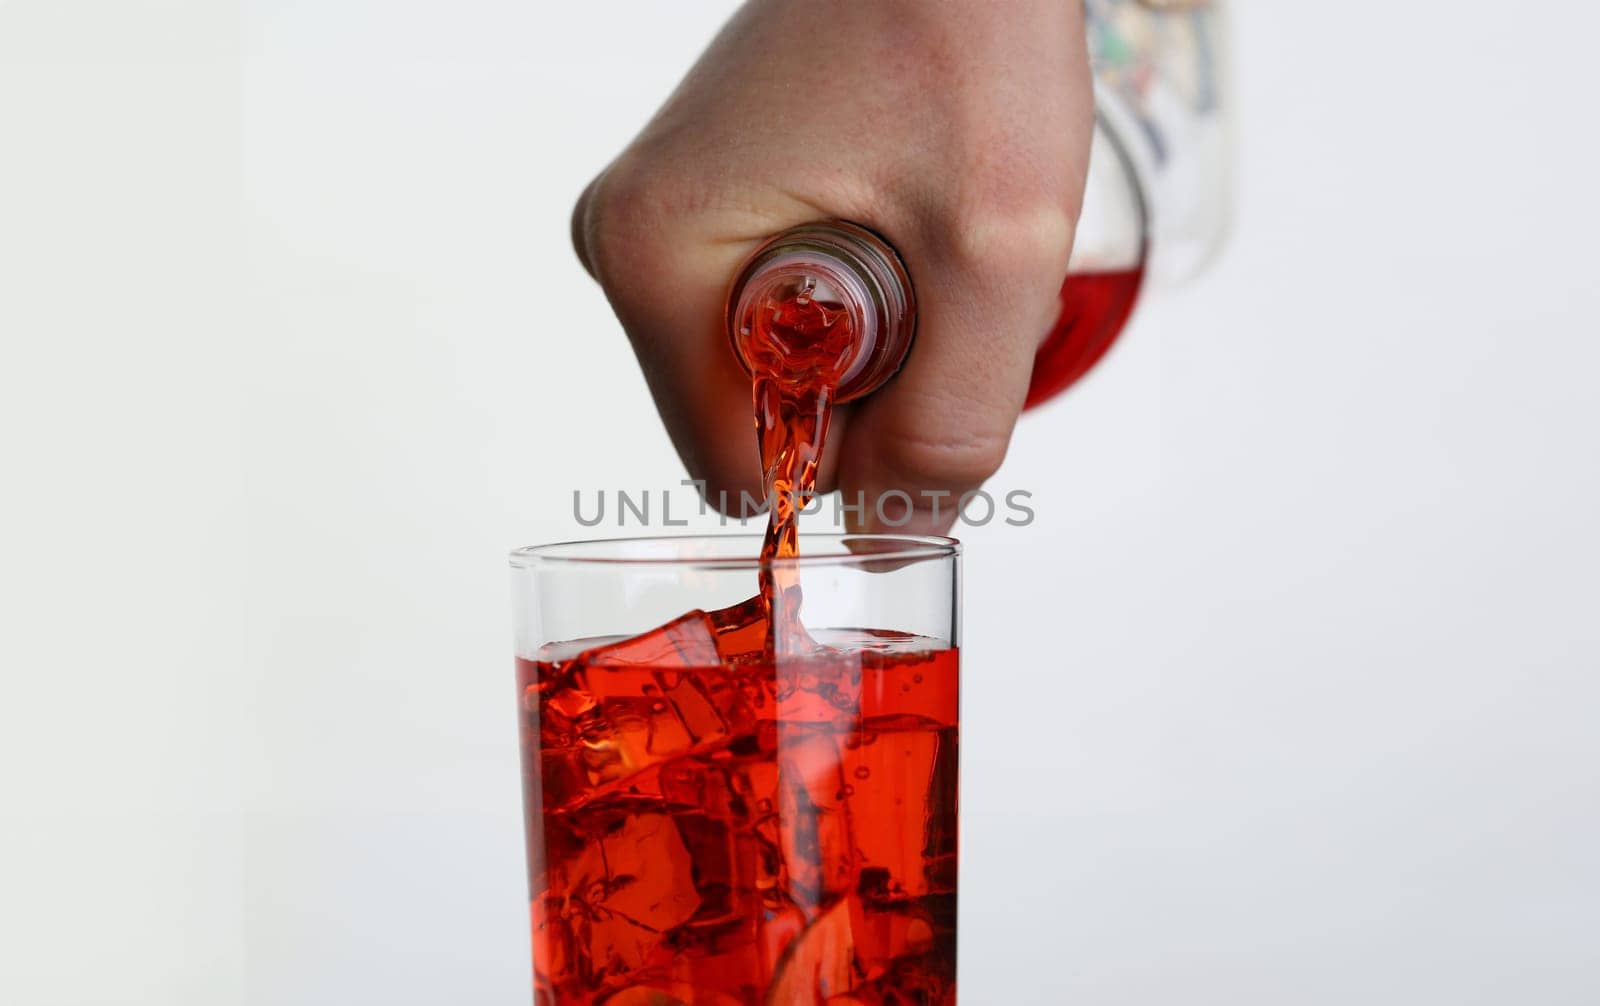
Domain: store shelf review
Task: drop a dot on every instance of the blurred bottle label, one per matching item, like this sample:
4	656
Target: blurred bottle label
1160	77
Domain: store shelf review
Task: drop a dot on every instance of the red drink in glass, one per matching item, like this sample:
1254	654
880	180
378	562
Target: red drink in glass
723	827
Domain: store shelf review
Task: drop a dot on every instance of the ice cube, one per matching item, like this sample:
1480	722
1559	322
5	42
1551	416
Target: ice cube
741	630
639	995
718	870
629	886
687	641
813	807
698	704
750	631
891	771
885	937
629	707
817	964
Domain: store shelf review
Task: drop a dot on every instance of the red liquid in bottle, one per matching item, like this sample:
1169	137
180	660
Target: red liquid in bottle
1094	308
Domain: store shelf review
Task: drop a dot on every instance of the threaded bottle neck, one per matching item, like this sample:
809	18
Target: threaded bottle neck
826	303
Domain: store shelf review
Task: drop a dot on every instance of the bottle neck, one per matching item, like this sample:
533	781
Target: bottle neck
825	304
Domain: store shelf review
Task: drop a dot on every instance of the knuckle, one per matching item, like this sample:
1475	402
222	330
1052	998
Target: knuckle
617	218
1011	236
957	459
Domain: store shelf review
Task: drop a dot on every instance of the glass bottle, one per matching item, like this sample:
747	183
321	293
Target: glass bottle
1157	201
1158	196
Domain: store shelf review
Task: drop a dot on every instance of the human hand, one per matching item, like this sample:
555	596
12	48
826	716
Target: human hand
958	130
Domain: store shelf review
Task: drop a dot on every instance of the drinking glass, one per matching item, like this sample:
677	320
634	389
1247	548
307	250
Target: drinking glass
709	823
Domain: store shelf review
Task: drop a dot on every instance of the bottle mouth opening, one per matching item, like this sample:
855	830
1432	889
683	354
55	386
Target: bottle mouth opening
842	267
830	322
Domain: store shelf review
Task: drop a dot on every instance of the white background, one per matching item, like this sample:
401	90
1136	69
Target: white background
1291	695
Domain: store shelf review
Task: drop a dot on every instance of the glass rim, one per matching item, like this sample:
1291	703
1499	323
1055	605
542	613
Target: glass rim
670	551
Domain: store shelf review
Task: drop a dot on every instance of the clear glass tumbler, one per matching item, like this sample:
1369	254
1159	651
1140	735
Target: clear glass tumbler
709	824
